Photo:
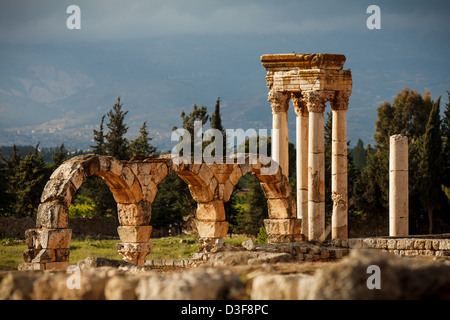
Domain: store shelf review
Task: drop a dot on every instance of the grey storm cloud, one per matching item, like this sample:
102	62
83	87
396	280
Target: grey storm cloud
45	20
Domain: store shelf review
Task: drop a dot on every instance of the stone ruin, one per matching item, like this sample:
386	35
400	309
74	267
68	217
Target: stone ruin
309	81
134	185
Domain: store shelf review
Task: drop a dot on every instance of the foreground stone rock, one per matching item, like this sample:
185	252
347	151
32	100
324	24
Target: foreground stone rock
201	284
401	278
288	271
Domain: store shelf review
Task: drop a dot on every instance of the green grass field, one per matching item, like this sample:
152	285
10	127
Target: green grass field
179	247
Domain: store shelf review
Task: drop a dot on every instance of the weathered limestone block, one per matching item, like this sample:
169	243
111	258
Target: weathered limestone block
211	211
212	229
76	169
235	175
225	190
419	244
270	178
135	214
221	171
280	189
149	191
280	226
48	238
134	252
205	284
49	266
29	254
159	172
52	215
58	190
127	176
283	208
44	256
134	234
204	193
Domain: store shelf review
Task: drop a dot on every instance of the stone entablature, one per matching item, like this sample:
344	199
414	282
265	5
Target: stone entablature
310	81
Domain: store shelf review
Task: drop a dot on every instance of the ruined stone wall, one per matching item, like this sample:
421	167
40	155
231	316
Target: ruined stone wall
98	226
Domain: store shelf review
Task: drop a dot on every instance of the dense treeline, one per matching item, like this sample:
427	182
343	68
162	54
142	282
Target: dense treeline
25	170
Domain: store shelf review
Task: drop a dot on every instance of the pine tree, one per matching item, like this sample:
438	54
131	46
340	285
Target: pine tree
99	137
8	169
113	143
432	163
58	157
5	197
116	143
29	181
141	145
197	114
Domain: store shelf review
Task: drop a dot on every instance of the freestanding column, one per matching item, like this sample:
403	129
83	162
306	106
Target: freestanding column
316	166
302	128
398	186
339	194
280	140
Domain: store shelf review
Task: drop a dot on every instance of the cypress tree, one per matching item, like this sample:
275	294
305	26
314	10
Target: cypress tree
216	123
359	155
446	144
116	144
99	137
432	163
216	120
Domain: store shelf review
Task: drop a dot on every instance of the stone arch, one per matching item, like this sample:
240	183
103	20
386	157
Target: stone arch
67	178
282	224
134	186
48	244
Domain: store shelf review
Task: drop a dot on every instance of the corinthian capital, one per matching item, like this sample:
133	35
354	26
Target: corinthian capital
340	101
279	101
315	100
299	104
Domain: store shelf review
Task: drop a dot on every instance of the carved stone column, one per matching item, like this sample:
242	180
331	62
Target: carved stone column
302	128
315	101
280	140
339	195
398	186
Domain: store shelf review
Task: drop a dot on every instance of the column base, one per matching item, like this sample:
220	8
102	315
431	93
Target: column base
284	230
134	252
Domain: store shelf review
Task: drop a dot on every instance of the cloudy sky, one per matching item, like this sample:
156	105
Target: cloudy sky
170	54
44	20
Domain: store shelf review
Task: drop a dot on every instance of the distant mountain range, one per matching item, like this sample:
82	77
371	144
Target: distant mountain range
58	93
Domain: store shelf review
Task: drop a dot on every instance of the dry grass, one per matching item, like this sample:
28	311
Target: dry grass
179	247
